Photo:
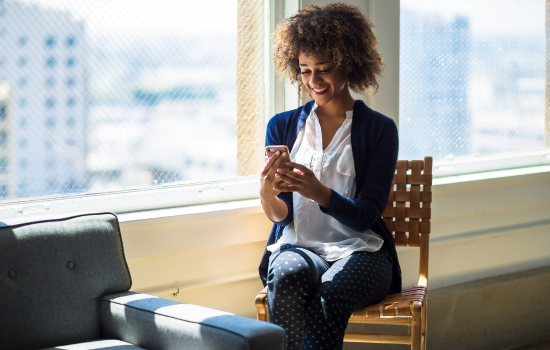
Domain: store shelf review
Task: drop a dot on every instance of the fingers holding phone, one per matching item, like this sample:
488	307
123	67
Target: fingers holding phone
276	156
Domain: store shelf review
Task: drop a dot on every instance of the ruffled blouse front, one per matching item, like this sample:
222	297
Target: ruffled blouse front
334	167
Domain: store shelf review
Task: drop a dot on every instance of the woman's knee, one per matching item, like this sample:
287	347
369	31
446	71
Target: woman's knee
290	264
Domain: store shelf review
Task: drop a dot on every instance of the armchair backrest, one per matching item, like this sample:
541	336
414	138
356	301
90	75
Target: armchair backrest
53	272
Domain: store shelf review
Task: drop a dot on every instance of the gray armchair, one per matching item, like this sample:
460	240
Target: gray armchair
64	283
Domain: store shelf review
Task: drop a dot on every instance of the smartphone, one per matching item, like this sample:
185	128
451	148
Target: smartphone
270	150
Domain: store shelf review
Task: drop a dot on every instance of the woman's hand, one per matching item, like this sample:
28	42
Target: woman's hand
298	178
275	209
268	180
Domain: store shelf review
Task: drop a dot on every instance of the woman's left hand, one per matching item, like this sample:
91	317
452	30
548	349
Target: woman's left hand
298	178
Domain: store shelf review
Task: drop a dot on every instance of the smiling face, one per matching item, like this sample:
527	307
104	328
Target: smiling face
322	79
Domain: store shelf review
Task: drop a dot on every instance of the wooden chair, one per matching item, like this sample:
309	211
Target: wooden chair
407	215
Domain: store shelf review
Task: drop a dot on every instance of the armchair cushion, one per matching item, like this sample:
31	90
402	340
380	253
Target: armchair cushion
155	323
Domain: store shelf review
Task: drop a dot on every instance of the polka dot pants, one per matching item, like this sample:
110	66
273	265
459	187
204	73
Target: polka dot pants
312	299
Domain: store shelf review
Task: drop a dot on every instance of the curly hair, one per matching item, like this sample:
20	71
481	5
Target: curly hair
337	32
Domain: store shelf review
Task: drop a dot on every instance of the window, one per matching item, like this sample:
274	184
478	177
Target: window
22	82
50	82
471	87
3	138
70	122
51	185
4	191
50	163
23	163
22	188
70	41
50	42
22	41
22	102
70	62
50	103
162	85
50	62
3	165
72	186
3	111
22	61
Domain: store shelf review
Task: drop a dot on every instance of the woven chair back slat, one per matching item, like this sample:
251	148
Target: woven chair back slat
408	210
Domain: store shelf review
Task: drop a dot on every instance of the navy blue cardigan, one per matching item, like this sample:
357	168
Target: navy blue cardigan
375	144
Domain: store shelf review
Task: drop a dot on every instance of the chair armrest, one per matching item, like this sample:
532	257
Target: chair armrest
261	306
155	323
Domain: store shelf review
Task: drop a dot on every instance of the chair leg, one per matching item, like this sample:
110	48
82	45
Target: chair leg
424	324
416	329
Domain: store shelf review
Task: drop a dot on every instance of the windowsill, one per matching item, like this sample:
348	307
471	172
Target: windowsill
191	213
489	176
253	206
489	163
158	199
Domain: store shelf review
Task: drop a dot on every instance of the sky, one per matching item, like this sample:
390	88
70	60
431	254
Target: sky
489	16
150	17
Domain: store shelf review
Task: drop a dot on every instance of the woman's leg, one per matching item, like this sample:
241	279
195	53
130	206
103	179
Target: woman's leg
350	284
293	276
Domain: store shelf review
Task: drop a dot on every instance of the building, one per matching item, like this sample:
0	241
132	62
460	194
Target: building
433	86
7	183
43	59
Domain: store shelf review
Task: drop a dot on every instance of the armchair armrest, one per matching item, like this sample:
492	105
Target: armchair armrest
155	323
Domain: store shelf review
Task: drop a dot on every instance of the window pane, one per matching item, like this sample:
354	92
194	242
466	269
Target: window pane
123	94
471	77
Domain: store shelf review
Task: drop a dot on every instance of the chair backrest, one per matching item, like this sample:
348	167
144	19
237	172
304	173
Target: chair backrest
408	210
53	272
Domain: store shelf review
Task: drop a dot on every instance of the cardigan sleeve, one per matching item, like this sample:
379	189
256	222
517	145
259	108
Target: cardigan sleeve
362	212
274	136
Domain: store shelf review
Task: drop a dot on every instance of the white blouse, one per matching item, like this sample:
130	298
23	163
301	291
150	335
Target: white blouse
334	167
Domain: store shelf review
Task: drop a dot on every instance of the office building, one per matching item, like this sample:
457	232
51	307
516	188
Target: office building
43	59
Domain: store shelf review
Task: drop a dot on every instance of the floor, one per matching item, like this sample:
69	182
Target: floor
544	345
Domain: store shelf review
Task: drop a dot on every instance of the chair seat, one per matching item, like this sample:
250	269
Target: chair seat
394	305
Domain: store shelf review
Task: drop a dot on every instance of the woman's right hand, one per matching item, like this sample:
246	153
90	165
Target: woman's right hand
268	178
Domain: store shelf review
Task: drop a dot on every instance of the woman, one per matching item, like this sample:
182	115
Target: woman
329	252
